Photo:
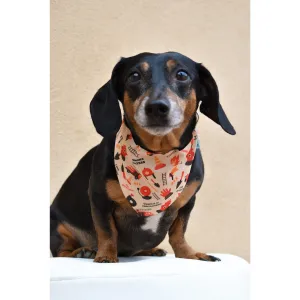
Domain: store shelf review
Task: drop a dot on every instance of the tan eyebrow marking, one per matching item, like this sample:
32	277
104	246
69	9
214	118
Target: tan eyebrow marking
171	63
145	66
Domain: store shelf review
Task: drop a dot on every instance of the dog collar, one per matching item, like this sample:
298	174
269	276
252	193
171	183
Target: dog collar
151	182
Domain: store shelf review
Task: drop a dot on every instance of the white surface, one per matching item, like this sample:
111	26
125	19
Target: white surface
146	278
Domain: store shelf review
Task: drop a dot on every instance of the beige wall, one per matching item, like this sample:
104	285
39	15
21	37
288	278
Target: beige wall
88	38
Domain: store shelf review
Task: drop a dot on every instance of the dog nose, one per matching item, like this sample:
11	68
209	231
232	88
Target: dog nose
159	108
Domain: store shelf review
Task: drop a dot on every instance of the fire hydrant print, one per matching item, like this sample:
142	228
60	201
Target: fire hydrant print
151	182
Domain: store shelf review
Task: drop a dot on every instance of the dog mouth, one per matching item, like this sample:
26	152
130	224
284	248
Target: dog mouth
160	129
173	126
158	126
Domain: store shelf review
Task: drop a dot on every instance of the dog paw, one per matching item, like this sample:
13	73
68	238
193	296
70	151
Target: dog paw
200	256
158	252
206	257
84	252
153	252
106	259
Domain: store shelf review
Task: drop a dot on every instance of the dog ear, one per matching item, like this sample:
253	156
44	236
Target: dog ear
104	107
210	105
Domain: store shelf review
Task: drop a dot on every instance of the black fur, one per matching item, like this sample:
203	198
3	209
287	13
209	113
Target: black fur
104	107
83	196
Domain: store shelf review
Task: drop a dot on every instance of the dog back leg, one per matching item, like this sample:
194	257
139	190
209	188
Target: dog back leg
70	246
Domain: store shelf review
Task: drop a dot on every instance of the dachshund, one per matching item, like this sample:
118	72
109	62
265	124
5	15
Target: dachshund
160	93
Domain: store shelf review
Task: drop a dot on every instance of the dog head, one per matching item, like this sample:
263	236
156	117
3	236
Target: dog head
160	93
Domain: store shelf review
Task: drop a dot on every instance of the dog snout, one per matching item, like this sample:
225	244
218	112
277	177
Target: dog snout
158	108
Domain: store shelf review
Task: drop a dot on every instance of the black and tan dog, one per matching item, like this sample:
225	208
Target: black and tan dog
160	94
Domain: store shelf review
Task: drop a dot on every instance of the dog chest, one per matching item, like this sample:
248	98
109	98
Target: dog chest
152	222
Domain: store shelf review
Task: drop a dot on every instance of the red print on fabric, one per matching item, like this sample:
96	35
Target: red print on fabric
165	206
151	182
123	152
134	172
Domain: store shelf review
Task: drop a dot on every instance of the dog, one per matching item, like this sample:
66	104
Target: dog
91	216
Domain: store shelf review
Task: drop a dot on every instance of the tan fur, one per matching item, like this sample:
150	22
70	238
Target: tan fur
107	244
115	193
145	66
152	252
191	105
69	241
187	193
159	144
170	141
177	240
64	232
69	253
83	237
171	63
180	246
131	107
124	209
73	238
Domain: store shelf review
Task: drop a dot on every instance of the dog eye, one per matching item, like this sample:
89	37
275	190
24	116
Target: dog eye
182	75
134	77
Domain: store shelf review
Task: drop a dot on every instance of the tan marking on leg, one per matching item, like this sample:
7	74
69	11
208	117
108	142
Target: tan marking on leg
69	242
187	193
71	245
85	239
106	240
177	240
115	193
107	244
180	246
124	208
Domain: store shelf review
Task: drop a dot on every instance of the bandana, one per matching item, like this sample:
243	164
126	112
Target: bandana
151	182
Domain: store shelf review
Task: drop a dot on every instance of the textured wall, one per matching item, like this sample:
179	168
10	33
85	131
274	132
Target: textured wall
87	39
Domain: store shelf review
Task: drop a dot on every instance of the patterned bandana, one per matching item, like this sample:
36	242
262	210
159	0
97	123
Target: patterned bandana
151	182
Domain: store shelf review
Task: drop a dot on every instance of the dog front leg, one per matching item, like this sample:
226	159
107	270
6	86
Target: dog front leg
105	228
177	239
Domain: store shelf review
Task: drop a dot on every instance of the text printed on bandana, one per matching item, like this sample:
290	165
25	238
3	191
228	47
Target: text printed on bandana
151	182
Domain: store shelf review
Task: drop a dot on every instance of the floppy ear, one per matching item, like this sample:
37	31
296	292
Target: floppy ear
210	105
104	107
